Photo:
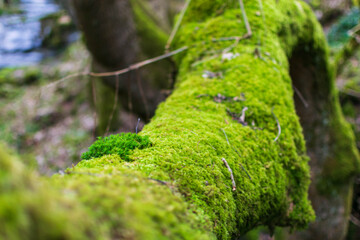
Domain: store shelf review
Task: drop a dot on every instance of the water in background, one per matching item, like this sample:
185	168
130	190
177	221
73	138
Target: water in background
20	33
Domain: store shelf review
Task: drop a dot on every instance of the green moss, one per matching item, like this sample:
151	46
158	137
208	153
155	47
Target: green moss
185	130
120	144
188	144
32	208
13	79
20	76
348	109
345	162
180	188
128	204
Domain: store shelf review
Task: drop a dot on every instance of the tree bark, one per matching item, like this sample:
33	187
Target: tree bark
329	140
118	34
214	168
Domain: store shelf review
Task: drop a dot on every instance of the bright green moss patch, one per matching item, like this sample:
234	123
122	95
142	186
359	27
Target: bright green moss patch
120	144
32	208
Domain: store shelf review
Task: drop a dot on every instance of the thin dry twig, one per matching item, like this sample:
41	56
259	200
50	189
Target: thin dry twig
88	174
64	79
301	97
177	25
278	125
241	164
137	125
235	38
225	136
236	152
231	174
242	117
247	25
115	104
118	72
158	181
350	92
139	65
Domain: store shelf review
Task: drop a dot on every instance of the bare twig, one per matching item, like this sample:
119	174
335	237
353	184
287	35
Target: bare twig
301	97
115	104
177	25
241	164
88	174
64	79
225	136
278	124
137	125
231	174
228	49
242	117
247	25
158	181
350	92
139	65
227	38
236	152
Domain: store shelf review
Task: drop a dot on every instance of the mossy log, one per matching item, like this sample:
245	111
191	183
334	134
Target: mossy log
180	187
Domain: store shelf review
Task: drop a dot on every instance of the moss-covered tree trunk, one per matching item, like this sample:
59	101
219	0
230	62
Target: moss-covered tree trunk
118	34
227	150
329	140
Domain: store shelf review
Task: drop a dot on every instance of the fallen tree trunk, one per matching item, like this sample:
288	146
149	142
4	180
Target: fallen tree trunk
227	150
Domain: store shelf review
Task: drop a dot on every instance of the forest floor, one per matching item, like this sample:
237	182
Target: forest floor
48	124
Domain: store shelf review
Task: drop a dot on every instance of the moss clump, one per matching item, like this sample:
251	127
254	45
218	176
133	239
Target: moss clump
120	144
